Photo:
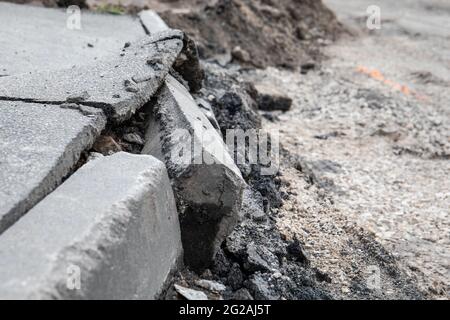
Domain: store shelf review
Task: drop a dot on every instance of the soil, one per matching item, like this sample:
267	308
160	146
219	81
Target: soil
363	180
291	30
370	138
293	243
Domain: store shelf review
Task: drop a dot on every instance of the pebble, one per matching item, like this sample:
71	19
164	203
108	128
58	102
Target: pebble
190	294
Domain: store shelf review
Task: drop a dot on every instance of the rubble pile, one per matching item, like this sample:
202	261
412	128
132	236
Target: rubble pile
133	222
139	181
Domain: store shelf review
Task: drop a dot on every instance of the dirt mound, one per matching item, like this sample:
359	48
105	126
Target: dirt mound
257	32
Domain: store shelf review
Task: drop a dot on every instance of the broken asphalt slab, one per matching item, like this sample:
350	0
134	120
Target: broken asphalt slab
119	85
34	38
41	137
207	183
39	145
110	231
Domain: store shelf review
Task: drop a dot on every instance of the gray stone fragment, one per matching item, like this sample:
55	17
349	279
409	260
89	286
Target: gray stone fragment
252	205
34	38
207	183
113	223
190	294
108	84
212	286
259	260
39	145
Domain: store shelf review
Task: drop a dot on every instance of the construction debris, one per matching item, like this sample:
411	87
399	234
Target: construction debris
190	294
207	183
212	286
119	221
199	224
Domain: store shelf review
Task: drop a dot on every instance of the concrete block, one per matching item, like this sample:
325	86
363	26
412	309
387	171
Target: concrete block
39	145
207	183
108	232
119	84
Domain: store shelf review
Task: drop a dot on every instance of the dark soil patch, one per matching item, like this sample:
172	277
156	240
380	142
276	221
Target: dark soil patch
264	32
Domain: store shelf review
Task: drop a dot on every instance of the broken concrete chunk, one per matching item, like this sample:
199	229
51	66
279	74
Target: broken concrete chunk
39	145
212	286
190	294
207	183
270	99
110	231
118	84
252	205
